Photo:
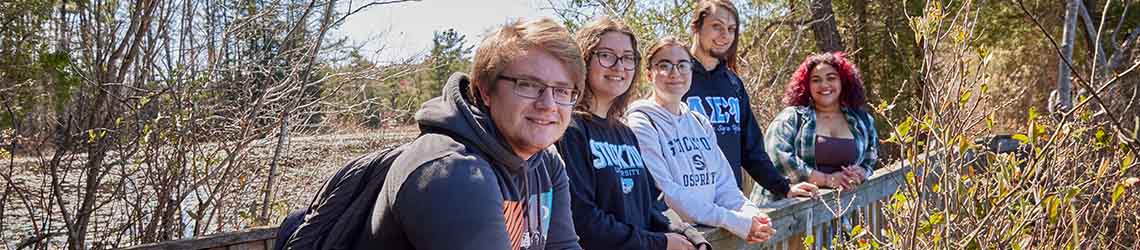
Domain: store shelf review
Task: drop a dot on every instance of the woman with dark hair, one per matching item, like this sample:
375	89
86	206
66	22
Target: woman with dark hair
613	198
824	136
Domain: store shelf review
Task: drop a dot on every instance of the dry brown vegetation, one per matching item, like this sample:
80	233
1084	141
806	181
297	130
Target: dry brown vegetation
141	121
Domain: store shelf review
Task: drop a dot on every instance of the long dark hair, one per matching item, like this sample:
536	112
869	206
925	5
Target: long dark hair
704	9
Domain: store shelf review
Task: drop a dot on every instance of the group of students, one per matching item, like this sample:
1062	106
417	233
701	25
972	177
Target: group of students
543	146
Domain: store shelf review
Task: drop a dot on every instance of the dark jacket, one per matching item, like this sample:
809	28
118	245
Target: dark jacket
613	196
473	192
611	192
720	95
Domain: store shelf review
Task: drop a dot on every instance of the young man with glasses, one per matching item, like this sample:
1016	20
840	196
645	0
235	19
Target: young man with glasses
719	93
491	179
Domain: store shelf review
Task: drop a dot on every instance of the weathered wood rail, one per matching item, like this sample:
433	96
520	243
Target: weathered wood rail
261	238
822	217
793	219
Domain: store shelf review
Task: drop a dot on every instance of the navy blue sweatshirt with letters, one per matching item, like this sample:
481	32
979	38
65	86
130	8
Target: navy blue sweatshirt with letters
613	198
720	95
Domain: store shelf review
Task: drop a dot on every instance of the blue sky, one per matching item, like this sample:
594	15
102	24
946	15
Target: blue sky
398	31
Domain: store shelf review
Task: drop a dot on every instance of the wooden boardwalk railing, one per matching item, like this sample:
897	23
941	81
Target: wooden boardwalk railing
821	217
260	238
793	219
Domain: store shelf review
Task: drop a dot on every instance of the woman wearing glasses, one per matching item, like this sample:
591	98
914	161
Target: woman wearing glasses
612	196
679	147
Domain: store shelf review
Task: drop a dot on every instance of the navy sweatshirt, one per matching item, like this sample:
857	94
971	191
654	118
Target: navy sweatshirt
720	95
612	195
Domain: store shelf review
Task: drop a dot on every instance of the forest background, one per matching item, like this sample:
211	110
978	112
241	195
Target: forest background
130	122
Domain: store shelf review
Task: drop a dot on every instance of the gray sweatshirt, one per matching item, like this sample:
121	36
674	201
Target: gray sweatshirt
696	179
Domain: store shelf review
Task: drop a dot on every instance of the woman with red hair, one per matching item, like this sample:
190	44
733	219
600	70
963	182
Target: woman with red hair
824	136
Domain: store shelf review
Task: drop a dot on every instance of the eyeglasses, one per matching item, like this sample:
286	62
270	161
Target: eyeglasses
532	89
609	60
682	66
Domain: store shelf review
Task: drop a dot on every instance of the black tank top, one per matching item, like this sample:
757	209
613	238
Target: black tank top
832	153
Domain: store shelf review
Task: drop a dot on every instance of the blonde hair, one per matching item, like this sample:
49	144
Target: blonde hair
506	44
588	38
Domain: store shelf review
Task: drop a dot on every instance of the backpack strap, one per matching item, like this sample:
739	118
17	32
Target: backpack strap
655	128
654	124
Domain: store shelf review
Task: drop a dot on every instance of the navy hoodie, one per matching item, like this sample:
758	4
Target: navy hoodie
612	195
720	95
473	192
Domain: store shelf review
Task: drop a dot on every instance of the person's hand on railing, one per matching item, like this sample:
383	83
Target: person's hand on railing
855	173
761	229
678	242
803	189
837	180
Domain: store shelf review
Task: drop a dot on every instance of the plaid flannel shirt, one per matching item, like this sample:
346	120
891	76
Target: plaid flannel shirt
790	140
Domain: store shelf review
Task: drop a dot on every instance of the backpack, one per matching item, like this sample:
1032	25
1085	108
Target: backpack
337	215
333	218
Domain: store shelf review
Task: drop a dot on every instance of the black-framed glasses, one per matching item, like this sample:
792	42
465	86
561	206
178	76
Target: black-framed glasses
681	67
608	59
533	90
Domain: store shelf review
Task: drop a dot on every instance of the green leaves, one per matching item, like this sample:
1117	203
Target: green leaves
990	121
1118	192
1101	138
927	226
902	131
1021	138
1051	204
857	231
884	107
1126	163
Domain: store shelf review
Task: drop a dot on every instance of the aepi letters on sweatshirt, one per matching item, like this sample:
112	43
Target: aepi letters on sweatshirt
723	112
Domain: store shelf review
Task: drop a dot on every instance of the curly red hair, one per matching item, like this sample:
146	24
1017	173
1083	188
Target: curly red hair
851	96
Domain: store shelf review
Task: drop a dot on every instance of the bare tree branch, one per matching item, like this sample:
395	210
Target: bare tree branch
365	6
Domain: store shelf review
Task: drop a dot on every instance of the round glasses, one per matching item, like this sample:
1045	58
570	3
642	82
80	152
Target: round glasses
608	59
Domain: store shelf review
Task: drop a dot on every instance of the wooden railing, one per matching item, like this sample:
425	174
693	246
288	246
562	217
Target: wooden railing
260	238
794	219
822	217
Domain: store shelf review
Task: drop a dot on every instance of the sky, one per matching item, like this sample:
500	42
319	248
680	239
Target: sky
398	31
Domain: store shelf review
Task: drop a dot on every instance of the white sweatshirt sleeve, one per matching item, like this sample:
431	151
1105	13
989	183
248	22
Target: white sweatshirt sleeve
737	222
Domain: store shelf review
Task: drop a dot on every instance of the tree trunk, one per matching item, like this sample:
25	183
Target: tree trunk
859	35
823	25
1064	84
1100	71
282	139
